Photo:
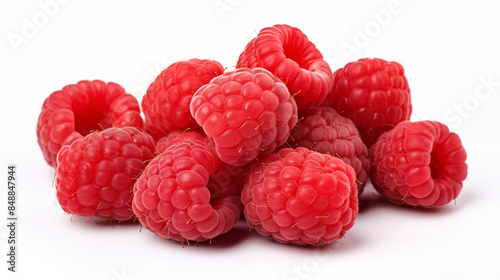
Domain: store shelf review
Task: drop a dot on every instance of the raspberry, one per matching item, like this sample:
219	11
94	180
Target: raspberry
246	113
288	54
78	109
301	197
176	137
374	93
185	194
154	132
95	175
322	130
419	164
166	102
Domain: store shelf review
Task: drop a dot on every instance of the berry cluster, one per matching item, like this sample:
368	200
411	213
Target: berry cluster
281	139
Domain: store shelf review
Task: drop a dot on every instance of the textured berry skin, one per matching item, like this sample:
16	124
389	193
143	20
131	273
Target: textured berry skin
187	194
374	93
246	113
177	136
323	130
301	197
95	175
166	102
78	109
419	164
154	132
289	55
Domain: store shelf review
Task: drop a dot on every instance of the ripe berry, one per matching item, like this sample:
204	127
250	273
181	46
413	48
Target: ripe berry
287	53
185	194
78	109
301	197
166	102
419	164
374	93
322	130
246	113
95	174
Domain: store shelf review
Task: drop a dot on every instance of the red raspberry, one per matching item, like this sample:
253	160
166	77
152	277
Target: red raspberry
419	164
166	102
185	194
374	93
78	109
154	132
322	130
289	55
95	175
246	113
301	197
176	137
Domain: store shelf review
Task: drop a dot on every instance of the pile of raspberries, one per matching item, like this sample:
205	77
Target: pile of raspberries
281	141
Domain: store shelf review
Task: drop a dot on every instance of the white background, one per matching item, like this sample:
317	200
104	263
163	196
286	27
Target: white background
450	52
